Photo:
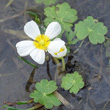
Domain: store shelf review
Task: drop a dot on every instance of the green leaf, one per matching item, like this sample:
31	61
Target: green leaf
27	62
94	30
46	2
10	108
46	86
68	49
22	102
71	37
44	94
63	14
35	15
72	82
73	42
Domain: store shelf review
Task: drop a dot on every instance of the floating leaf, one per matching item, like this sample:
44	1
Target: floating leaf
72	82
44	94
46	2
94	30
63	14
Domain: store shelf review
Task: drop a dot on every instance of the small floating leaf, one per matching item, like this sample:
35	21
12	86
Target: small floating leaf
46	2
72	82
94	30
63	14
44	94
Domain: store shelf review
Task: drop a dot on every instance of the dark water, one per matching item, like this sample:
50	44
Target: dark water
90	60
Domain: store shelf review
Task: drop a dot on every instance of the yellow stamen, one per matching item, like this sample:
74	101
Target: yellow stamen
42	42
61	50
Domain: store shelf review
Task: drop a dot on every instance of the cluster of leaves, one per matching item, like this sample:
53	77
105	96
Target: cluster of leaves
92	28
44	90
44	93
72	82
61	13
46	2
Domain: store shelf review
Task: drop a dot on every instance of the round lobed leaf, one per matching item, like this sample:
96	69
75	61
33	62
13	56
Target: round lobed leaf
63	14
72	82
46	2
46	86
44	94
94	30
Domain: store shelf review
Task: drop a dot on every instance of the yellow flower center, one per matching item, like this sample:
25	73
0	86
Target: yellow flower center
42	42
61	50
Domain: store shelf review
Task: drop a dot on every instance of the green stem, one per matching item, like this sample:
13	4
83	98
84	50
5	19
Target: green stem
63	64
35	107
79	46
107	38
23	59
24	102
56	60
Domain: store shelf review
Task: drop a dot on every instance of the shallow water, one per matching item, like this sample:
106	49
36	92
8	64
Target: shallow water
90	60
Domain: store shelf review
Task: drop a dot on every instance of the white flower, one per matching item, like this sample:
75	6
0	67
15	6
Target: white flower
41	42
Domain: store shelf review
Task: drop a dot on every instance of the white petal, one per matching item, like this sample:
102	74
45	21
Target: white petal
31	29
62	54
59	54
56	45
53	30
38	56
52	53
25	47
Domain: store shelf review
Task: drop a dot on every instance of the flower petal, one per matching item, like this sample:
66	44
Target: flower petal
31	29
55	45
25	47
63	53
59	54
38	56
53	30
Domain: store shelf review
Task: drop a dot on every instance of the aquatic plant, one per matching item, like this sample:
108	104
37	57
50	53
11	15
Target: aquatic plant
59	20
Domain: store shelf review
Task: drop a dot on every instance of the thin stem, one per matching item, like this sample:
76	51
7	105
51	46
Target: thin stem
63	64
64	101
104	108
79	46
107	38
35	107
56	60
24	102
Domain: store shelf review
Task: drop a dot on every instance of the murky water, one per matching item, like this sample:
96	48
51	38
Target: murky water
90	60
